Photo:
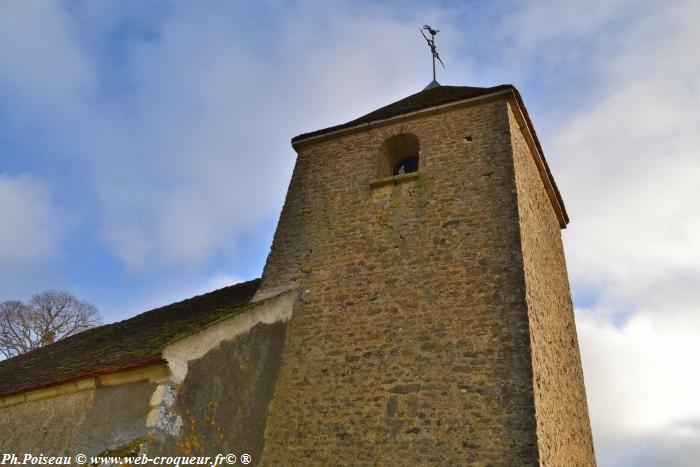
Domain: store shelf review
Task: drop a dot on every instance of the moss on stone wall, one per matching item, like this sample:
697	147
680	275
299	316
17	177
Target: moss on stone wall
132	448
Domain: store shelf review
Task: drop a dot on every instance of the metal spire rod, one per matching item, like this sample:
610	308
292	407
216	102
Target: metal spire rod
431	44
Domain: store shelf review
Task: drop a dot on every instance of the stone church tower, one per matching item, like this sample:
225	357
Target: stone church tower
435	324
414	310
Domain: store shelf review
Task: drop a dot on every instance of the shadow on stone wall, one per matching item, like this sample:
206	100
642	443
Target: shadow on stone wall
224	399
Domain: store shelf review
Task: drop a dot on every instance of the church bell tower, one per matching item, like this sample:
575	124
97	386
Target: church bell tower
434	324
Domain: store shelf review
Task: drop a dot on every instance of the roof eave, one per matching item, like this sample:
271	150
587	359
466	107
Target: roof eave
301	140
540	161
155	360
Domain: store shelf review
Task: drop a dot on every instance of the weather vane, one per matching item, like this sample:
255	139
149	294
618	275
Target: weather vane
433	49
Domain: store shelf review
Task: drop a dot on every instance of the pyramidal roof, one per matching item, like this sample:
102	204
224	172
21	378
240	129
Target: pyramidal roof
432	96
436	95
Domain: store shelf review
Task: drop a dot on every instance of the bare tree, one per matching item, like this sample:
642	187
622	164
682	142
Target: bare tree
49	316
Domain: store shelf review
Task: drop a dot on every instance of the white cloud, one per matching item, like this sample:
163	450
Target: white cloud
31	224
642	389
42	65
195	151
679	446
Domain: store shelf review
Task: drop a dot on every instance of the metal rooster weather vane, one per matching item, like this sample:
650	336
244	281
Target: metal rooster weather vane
433	49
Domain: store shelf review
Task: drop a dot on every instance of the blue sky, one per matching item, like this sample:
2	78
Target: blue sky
145	157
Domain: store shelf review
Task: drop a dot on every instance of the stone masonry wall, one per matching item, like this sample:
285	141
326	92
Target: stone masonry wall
223	401
86	422
411	343
563	427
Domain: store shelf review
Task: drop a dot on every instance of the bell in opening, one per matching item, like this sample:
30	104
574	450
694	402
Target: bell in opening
406	165
400	155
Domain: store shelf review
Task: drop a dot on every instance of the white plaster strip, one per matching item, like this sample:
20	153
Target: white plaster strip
271	310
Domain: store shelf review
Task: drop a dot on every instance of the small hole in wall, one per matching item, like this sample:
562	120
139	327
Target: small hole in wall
467	139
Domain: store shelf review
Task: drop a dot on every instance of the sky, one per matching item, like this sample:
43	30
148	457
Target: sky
145	156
